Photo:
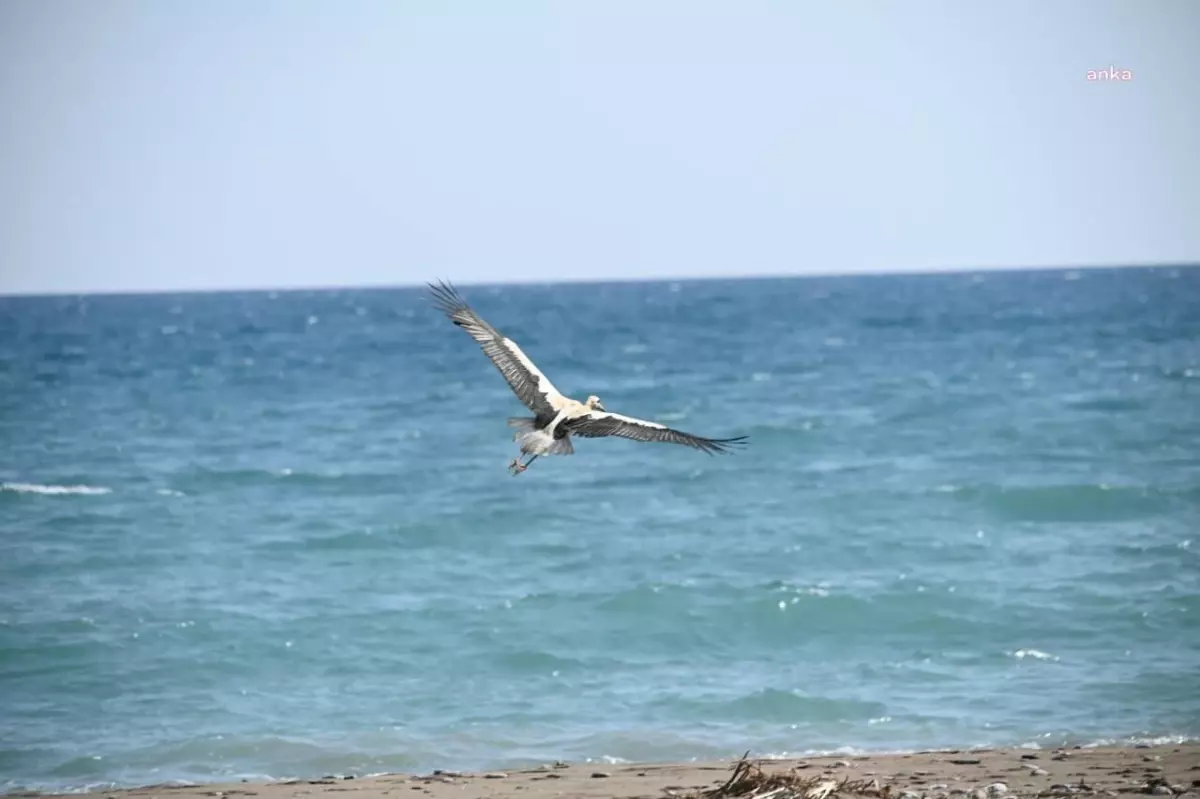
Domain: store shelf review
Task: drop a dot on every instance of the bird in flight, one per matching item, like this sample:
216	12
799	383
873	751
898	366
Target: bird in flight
556	417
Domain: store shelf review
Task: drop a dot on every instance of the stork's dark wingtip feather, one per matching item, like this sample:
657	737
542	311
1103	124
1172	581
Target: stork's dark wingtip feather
442	290
446	297
534	390
724	445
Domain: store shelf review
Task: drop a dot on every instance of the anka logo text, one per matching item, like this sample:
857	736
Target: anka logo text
1111	73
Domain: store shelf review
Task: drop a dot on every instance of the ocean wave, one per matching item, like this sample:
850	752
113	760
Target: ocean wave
772	704
731	620
1095	502
1108	404
35	488
200	480
220	758
536	661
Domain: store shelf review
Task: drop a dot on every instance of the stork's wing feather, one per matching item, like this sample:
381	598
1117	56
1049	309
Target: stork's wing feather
600	423
532	387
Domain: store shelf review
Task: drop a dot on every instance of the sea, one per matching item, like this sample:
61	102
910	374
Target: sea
272	534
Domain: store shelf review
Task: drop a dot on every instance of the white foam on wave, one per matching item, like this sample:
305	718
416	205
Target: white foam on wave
1036	654
1141	740
851	751
1159	740
611	760
35	488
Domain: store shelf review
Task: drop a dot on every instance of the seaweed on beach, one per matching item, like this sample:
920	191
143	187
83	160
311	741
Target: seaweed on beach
750	781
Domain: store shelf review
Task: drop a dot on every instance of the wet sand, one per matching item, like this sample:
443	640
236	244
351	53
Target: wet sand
1169	770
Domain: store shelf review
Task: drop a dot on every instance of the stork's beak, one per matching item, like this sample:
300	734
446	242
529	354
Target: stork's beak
600	407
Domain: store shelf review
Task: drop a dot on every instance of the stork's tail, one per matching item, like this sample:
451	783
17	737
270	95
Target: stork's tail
531	439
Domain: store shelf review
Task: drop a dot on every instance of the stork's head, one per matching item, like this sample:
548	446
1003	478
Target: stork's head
593	403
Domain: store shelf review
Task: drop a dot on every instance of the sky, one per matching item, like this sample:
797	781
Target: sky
151	145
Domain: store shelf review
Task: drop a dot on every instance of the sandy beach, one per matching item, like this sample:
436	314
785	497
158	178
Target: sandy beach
1167	770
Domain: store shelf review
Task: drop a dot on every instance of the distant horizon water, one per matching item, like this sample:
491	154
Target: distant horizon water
568	280
253	535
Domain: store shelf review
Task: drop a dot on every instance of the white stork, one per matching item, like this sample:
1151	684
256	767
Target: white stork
556	417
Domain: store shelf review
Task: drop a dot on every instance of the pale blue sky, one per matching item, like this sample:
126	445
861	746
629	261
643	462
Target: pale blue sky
170	145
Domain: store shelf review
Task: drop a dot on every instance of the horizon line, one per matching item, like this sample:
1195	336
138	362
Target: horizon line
406	284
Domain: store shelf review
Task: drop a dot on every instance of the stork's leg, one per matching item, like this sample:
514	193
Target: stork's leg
517	467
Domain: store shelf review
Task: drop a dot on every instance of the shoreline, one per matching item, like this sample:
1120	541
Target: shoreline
1149	770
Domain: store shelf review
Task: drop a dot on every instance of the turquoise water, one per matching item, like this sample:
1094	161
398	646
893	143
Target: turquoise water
272	534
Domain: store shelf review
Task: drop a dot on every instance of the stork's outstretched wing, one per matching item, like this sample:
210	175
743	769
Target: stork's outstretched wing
602	423
532	387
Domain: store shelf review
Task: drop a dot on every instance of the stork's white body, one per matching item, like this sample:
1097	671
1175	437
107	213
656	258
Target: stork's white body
533	440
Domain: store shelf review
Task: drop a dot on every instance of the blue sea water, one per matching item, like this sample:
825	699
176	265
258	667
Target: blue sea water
272	534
